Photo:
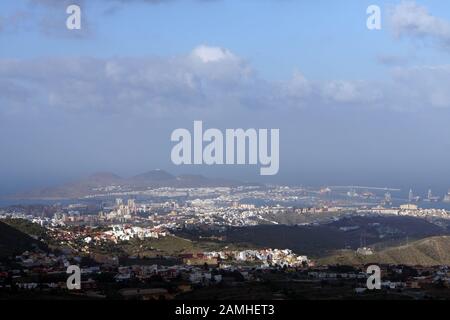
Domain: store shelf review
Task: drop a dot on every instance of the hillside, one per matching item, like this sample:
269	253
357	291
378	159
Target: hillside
426	252
13	241
323	240
32	229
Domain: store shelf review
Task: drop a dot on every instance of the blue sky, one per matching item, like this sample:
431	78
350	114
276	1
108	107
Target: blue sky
353	105
322	38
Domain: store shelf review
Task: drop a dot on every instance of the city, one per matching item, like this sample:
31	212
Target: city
169	242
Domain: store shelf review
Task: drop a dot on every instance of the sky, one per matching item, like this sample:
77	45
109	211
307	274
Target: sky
353	105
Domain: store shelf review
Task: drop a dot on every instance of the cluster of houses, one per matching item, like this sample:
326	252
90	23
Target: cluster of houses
189	271
393	277
264	257
88	235
47	261
126	233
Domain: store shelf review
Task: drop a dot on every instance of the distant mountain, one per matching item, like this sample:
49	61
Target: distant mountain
431	251
104	182
153	176
161	178
190	180
102	178
13	241
74	189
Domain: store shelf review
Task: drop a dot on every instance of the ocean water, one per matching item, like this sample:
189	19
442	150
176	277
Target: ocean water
11	202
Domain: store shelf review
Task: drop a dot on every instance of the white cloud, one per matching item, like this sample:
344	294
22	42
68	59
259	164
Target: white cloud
365	93
409	19
341	91
212	54
421	87
299	86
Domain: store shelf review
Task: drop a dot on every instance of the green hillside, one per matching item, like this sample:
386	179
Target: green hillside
426	252
13	241
27	227
174	245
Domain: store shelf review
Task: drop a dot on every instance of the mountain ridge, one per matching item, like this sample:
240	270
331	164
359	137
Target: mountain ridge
104	181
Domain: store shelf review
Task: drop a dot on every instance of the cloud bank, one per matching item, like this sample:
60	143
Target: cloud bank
206	79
